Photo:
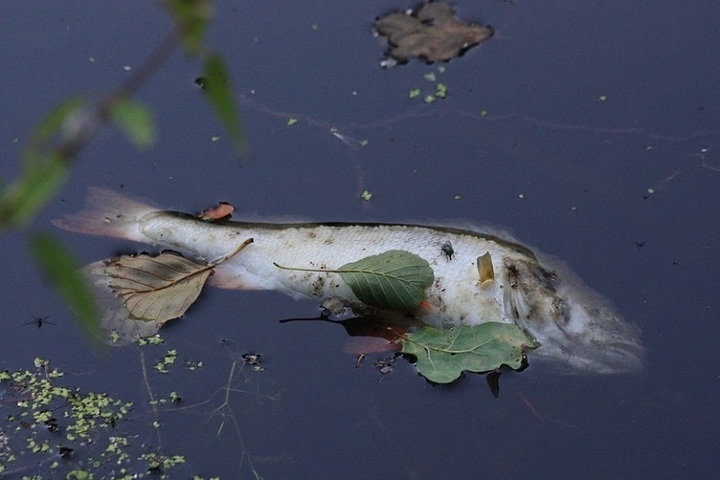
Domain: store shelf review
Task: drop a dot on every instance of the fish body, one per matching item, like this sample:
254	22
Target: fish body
478	277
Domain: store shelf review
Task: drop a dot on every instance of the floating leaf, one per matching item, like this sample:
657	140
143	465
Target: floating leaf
156	288
433	33
442	355
140	293
393	280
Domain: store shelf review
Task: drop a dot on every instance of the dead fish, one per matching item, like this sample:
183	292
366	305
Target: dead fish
490	278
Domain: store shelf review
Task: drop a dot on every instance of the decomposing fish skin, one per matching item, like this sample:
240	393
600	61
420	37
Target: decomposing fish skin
487	278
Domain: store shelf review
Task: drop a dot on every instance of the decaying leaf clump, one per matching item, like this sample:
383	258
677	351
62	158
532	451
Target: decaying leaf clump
432	33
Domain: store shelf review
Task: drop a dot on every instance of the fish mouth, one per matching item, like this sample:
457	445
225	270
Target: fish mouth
613	358
594	347
619	357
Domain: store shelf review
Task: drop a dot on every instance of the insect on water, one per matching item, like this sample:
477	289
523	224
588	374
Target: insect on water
39	321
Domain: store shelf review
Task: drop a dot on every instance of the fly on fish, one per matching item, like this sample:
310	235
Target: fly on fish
420	275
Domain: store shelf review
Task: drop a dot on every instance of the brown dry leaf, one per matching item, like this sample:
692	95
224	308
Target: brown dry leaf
432	33
156	288
223	211
140	293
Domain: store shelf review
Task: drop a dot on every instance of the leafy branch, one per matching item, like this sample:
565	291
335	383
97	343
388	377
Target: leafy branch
69	127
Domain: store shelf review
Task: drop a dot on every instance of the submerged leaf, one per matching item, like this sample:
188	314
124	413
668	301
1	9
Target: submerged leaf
156	288
442	355
368	334
433	33
393	280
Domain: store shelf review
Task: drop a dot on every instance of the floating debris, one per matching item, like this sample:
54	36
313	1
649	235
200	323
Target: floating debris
433	33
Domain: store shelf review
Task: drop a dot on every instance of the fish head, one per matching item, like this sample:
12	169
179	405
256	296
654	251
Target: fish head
577	328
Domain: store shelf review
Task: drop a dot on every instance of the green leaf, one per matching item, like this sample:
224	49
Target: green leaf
442	355
41	179
52	125
59	266
393	280
135	119
219	93
45	168
192	17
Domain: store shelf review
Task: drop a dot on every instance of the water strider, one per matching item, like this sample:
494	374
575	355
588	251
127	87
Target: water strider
39	321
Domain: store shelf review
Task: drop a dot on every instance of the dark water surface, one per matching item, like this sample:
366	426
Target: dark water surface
565	170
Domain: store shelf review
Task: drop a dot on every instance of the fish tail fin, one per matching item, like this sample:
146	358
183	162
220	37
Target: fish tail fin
107	214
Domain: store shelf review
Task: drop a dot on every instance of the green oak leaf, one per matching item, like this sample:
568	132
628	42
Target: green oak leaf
442	355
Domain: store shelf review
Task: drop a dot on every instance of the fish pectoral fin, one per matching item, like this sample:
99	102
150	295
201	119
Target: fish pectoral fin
485	270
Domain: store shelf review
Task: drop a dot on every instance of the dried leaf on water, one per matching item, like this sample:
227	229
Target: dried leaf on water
432	33
142	292
442	355
156	288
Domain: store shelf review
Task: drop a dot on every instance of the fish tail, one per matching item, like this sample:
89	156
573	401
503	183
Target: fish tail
108	214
